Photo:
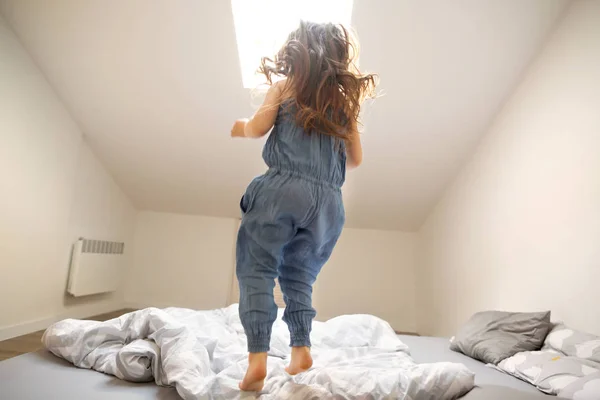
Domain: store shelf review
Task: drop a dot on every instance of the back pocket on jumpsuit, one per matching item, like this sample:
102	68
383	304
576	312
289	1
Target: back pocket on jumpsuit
244	204
248	198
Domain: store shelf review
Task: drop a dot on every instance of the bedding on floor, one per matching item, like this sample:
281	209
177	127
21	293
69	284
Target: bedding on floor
56	378
567	365
203	355
555	359
425	349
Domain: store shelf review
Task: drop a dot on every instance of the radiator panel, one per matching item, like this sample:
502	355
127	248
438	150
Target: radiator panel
96	267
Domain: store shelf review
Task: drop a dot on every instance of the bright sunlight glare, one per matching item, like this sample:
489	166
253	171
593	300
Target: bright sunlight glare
261	27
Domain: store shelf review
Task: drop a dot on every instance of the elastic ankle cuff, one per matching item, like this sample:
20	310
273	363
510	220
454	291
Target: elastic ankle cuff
300	325
258	347
259	337
300	340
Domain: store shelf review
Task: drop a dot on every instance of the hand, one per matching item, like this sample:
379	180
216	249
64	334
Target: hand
238	128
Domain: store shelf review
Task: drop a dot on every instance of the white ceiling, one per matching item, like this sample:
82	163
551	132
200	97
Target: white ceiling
156	85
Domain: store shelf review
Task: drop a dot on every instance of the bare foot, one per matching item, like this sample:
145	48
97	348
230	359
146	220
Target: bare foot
301	360
256	373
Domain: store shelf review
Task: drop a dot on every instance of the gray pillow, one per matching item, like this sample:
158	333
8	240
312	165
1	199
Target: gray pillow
492	336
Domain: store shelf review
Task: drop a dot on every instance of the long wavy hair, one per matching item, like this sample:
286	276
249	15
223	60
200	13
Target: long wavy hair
319	62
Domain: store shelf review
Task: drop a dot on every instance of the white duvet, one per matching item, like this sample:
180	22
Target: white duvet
203	355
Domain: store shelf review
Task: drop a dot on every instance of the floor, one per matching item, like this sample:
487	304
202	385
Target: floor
33	341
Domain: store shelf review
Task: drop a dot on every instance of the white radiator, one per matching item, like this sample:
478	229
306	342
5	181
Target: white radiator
96	267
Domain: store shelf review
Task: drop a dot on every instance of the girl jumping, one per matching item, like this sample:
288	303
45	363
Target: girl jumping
293	214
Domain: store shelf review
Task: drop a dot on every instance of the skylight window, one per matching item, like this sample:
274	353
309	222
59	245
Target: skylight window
261	27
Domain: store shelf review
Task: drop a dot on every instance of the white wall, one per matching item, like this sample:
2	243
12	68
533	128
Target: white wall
188	261
53	190
520	227
181	260
370	272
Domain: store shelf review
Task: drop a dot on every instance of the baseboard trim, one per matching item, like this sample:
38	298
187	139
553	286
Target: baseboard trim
407	333
11	331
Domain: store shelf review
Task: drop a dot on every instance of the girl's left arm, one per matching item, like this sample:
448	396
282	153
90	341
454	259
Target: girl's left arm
264	119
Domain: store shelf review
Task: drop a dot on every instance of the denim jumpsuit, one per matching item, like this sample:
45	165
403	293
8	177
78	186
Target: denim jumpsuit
292	218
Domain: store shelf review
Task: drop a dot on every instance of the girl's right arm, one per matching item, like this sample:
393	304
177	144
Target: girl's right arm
354	153
264	119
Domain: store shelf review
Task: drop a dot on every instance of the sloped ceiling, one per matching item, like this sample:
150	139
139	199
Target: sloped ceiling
156	85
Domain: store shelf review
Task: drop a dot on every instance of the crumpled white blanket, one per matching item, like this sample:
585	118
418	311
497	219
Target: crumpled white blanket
203	354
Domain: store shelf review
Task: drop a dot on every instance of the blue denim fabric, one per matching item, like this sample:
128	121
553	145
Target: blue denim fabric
317	156
292	218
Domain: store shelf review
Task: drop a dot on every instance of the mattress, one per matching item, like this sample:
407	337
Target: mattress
41	375
490	384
